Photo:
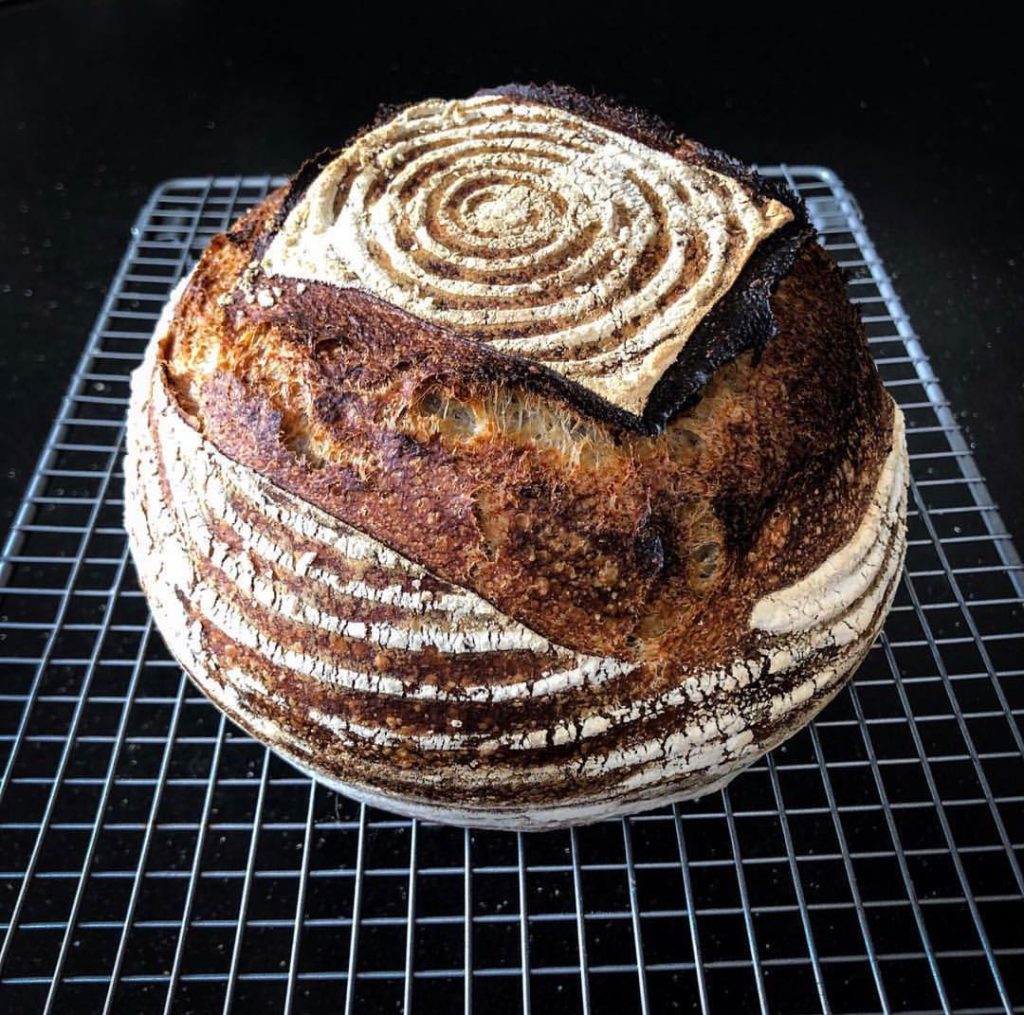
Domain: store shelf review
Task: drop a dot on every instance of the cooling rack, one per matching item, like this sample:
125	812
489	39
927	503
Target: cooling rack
154	857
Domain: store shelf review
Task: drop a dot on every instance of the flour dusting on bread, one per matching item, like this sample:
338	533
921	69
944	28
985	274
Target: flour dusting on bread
532	229
399	506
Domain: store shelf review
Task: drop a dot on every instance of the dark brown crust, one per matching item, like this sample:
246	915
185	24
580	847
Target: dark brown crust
547	774
780	479
743	319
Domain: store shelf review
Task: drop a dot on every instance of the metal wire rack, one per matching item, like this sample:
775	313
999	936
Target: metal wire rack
153	856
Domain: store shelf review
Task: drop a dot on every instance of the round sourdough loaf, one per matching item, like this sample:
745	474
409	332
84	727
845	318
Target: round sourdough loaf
518	464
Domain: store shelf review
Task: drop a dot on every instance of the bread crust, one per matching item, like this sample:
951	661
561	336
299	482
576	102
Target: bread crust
620	624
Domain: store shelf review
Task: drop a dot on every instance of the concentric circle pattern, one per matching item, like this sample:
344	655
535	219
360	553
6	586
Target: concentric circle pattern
522	225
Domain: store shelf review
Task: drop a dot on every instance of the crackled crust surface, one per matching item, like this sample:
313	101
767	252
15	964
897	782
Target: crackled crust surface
455	582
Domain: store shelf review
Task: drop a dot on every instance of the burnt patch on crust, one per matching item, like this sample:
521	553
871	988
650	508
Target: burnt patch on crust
742	319
300	182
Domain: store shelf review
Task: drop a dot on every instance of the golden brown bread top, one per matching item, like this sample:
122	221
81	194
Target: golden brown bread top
499	475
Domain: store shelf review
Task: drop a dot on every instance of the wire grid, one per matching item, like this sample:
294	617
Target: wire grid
153	856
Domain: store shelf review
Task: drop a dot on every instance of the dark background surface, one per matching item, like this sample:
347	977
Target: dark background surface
100	101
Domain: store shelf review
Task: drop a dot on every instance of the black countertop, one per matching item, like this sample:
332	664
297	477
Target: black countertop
100	101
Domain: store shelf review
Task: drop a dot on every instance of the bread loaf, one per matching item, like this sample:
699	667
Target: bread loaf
518	464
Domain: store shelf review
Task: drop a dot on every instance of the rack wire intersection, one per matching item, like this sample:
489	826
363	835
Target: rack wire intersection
152	856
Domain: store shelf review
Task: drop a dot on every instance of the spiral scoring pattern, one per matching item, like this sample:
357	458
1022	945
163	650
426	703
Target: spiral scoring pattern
527	227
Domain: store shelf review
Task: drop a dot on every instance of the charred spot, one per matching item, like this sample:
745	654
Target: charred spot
649	553
300	182
742	518
742	319
324	346
399	445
